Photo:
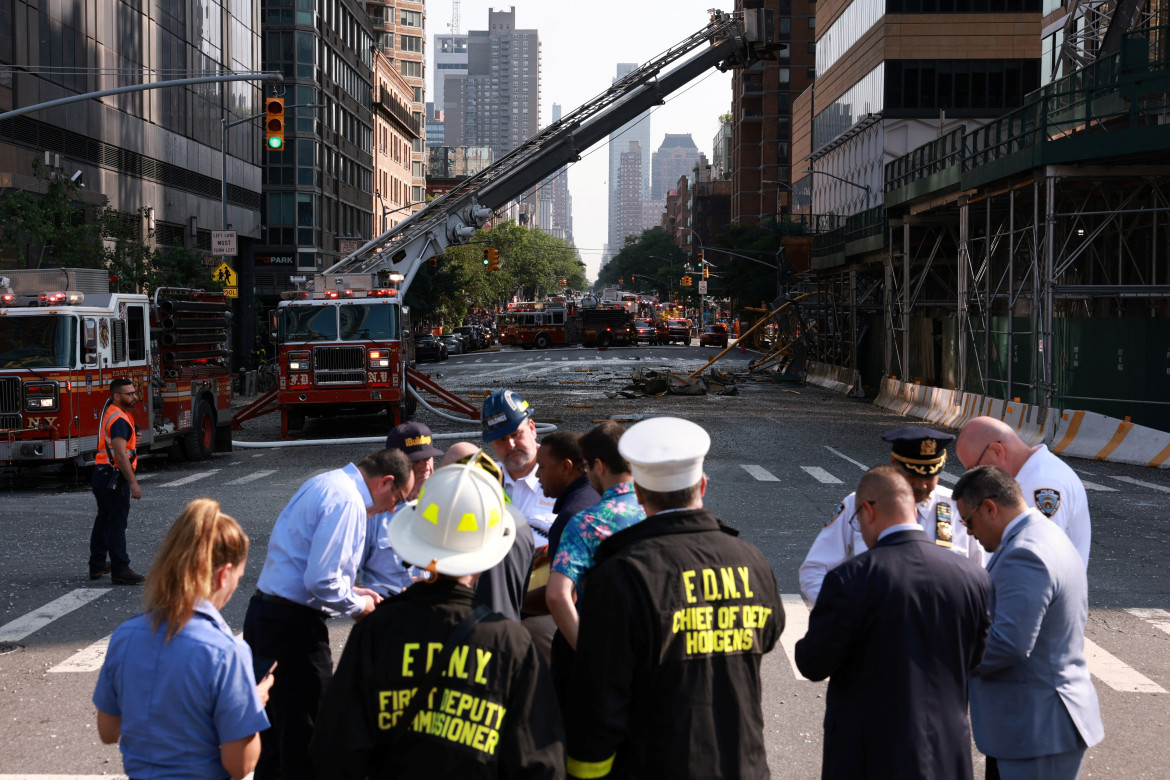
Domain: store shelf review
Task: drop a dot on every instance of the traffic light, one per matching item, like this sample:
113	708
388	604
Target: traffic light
706	272
700	259
491	258
274	123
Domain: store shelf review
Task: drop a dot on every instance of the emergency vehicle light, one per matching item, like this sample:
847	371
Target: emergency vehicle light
57	297
383	293
40	396
7	298
332	294
379	358
298	361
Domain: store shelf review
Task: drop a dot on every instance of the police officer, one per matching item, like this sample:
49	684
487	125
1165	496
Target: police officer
919	455
434	684
675	620
1047	481
114	483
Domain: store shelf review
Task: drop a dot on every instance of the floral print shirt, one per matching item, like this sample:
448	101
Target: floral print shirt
619	508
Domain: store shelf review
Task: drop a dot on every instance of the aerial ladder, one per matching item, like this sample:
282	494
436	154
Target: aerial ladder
730	40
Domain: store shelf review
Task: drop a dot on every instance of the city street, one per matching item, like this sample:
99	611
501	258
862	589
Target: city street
782	457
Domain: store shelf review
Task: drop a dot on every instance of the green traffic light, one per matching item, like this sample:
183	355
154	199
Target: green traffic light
275	143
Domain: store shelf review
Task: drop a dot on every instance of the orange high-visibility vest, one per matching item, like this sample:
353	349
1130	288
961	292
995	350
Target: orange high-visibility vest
105	454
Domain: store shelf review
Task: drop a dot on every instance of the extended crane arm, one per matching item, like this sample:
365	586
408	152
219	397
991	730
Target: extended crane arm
732	41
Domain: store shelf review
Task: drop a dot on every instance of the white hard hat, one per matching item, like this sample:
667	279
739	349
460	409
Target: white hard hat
460	523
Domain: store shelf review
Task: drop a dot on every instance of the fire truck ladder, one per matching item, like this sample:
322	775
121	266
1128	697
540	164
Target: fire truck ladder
735	41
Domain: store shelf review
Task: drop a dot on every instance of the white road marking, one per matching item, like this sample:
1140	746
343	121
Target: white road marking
760	473
820	475
39	618
88	660
1100	488
191	478
1115	673
255	475
141	477
1158	618
948	478
795	627
842	455
259	455
1150	485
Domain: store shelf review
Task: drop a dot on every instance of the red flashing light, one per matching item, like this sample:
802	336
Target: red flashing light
7	298
332	294
382	293
49	298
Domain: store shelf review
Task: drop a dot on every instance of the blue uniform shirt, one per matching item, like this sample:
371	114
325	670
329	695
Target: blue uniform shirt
383	569
179	700
317	543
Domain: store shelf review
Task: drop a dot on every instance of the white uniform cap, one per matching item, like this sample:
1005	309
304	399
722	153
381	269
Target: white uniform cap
665	453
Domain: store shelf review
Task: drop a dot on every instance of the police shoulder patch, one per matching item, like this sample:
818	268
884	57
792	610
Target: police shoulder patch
840	510
1047	500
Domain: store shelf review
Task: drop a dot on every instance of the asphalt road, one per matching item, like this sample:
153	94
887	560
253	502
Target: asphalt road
806	449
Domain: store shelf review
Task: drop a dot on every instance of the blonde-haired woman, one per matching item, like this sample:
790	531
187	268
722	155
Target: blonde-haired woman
177	686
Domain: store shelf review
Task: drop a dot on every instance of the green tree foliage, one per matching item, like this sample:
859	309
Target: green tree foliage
532	265
745	282
49	226
652	263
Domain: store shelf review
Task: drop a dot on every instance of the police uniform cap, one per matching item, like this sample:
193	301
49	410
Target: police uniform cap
665	453
919	450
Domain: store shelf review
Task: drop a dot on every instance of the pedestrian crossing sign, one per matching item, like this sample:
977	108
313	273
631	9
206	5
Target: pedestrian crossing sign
224	273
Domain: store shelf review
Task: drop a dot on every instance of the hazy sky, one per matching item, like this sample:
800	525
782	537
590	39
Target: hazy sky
581	44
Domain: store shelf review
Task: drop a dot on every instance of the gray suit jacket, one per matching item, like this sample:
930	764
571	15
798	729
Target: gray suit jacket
1032	694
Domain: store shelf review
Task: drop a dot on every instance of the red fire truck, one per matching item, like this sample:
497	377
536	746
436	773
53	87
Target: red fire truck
64	336
543	325
342	351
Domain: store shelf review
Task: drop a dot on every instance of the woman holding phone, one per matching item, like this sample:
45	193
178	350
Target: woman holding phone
177	687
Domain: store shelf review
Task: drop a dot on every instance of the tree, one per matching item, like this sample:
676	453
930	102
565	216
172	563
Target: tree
651	262
49	225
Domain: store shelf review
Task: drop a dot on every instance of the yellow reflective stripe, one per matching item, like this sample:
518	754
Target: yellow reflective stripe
589	769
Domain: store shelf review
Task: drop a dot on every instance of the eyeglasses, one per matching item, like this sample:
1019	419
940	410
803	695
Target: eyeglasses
980	460
132	392
966	521
853	518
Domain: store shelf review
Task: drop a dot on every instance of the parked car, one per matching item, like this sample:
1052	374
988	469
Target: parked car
454	343
713	336
429	348
675	330
644	330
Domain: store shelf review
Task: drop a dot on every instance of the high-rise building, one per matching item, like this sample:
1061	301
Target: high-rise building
561	217
496	103
630	216
395	131
400	34
637	129
677	156
155	153
319	188
762	98
449	55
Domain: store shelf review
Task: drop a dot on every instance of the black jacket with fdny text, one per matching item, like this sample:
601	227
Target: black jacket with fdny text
675	618
493	712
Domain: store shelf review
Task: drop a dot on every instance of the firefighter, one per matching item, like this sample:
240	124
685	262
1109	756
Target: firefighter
675	619
434	683
114	483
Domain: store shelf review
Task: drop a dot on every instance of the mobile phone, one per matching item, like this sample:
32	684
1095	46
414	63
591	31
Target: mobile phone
262	666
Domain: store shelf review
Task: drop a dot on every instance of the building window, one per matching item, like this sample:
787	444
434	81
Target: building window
410	19
410	43
411	70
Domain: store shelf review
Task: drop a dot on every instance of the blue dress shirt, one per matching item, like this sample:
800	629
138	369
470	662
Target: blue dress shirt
383	569
317	543
179	700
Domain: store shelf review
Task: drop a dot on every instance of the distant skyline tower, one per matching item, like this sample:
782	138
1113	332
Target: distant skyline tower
676	156
561	224
636	130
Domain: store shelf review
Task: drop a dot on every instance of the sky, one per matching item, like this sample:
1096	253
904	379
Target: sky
581	44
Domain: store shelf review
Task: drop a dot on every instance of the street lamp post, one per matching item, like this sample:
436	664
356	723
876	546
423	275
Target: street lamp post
866	187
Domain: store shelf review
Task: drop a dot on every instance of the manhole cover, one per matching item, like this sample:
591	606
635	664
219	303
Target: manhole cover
9	647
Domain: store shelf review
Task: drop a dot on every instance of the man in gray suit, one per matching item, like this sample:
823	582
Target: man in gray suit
1034	710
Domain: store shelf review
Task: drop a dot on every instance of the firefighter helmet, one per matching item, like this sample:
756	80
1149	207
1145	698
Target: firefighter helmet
459	525
503	412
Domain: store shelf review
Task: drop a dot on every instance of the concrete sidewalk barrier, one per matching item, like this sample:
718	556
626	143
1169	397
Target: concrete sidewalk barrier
1081	434
836	378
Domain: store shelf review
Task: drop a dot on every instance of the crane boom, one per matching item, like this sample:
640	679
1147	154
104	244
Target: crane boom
733	41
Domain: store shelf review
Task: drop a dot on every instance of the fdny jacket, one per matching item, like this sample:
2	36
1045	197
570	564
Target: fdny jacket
493	712
676	617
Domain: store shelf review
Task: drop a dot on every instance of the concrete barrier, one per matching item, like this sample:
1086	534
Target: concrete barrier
1081	434
830	377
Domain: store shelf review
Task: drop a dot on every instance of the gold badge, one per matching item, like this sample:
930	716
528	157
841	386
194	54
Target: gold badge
929	447
943	528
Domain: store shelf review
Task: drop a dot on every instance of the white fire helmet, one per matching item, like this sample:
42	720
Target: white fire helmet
459	526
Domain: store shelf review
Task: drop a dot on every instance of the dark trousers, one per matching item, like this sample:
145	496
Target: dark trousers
299	641
109	527
561	668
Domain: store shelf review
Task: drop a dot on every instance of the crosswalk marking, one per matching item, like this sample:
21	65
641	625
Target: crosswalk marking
1132	481
1158	618
191	478
141	477
1100	488
39	618
255	475
1115	673
820	475
760	473
948	478
88	660
795	627
843	456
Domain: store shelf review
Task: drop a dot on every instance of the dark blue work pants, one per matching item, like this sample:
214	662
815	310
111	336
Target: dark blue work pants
109	527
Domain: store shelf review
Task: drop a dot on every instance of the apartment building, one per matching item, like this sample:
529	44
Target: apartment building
396	130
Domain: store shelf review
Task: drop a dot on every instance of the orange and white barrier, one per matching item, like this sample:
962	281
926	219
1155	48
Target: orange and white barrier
1081	434
836	378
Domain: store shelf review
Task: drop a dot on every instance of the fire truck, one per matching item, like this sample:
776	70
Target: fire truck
337	366
64	336
543	325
